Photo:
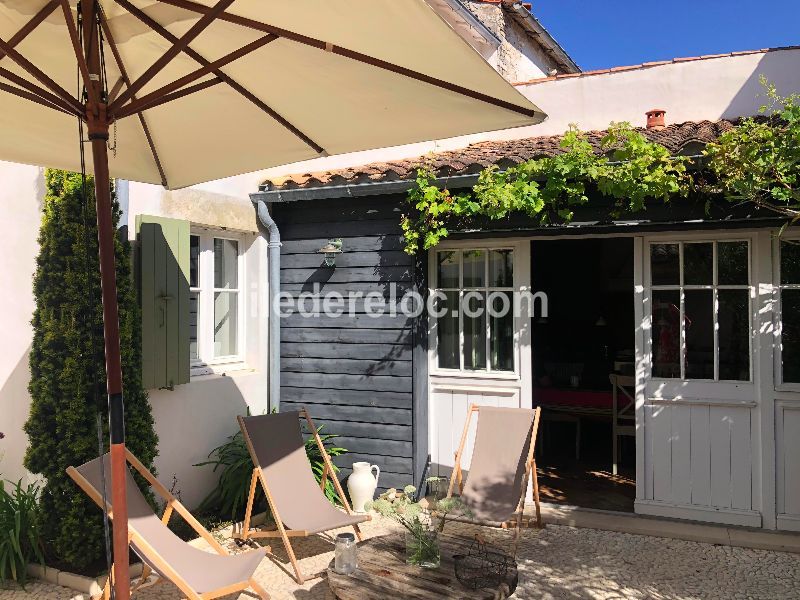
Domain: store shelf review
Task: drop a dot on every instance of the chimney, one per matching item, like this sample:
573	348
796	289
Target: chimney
655	118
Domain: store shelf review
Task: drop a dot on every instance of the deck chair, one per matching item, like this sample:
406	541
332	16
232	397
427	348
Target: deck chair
198	574
502	464
298	504
623	419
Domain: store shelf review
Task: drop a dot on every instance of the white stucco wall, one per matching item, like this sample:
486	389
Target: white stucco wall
196	417
191	420
21	189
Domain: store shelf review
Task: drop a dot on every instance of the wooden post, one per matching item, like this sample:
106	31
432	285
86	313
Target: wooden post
97	122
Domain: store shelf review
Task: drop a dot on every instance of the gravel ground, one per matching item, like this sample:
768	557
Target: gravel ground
557	563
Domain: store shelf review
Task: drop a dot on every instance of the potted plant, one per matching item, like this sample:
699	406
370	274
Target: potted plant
422	544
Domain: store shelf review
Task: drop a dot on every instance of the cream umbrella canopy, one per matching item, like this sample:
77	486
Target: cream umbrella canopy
194	91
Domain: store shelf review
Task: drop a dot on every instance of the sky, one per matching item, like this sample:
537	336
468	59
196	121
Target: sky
606	33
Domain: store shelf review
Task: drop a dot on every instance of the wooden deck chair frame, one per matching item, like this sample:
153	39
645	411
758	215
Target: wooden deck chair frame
172	505
530	473
281	531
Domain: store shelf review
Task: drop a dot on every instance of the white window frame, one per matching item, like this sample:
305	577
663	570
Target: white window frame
207	363
714	287
518	263
780	385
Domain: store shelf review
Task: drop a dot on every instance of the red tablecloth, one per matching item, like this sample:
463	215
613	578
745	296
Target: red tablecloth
579	398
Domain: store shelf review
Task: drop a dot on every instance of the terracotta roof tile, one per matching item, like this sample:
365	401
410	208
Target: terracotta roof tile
476	157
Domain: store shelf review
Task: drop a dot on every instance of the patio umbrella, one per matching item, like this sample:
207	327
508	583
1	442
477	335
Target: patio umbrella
186	91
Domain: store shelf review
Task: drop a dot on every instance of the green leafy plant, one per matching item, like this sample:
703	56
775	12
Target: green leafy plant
20	538
758	161
402	507
68	382
236	469
318	464
233	459
628	168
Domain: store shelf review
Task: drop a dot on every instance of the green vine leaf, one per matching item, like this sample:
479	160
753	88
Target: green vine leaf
629	168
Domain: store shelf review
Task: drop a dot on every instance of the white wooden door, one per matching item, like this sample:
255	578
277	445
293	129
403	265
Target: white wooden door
786	390
452	390
698	420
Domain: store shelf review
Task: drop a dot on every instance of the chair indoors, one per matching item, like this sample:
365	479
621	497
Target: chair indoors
198	574
298	504
502	465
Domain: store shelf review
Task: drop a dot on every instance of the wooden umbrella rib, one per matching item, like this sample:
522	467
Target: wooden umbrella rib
353	55
19	92
36	90
37	74
128	110
232	83
136	105
209	17
116	89
32	24
124	77
76	47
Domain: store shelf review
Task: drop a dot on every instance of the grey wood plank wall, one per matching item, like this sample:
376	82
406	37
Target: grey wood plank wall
354	373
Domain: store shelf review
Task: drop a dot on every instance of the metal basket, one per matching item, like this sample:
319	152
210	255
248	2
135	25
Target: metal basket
484	566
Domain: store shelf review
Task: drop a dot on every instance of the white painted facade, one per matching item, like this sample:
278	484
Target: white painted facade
195	417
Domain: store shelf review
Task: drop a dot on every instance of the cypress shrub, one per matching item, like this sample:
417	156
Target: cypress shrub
68	368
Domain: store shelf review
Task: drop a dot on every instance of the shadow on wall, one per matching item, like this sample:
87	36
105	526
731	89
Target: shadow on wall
15	404
780	68
191	421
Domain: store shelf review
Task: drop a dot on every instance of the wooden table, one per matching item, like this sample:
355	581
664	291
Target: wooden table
383	574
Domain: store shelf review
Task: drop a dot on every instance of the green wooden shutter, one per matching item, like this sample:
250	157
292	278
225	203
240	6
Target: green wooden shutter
163	251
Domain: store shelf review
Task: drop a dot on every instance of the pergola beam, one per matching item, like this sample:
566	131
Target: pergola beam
232	83
351	54
148	100
124	77
208	17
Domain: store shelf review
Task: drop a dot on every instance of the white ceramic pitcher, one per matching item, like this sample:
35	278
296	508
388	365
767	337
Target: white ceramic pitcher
361	484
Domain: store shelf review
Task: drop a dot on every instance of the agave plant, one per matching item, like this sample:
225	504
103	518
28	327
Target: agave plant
20	539
233	458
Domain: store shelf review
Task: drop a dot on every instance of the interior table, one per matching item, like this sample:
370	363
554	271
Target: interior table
382	573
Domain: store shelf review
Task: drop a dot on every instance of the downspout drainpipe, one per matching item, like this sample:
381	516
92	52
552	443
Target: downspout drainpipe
274	285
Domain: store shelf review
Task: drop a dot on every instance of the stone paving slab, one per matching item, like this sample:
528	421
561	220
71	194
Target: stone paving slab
556	563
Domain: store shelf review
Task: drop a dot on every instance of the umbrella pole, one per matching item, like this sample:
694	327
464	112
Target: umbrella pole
98	125
116	421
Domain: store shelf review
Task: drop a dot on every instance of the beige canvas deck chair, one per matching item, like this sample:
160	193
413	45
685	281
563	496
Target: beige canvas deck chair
198	574
298	504
502	464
